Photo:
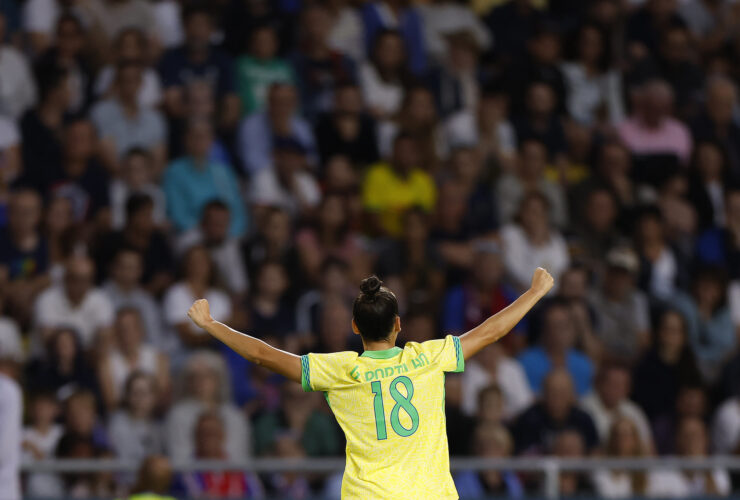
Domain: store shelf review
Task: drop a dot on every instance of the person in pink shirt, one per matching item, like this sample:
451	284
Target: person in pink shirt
651	130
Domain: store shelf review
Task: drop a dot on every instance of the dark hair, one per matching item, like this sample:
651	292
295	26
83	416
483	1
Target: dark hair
215	204
49	77
136	203
197	8
374	310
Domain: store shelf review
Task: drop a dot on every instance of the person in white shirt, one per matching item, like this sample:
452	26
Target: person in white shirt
382	78
40	441
609	402
11	426
494	366
532	243
17	85
442	17
287	184
726	428
76	304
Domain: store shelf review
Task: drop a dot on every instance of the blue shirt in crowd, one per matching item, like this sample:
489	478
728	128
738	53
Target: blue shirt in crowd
537	365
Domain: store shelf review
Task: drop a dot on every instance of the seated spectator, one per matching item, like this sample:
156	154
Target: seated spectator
417	118
24	254
609	402
123	123
556	411
136	176
213	233
662	271
154	477
272	242
320	67
491	441
10	149
140	235
711	333
484	292
717	121
624	440
128	354
494	366
81	421
269	307
40	439
260	67
645	25
557	349
346	130
533	242
195	282
70	50
570	443
486	128
334	331
334	283
347	34
329	237
459	425
198	61
455	80
41	127
211	436
64	369
133	429
384	76
442	17
391	188
107	19
287	183
261	131
467	168
597	233
528	176
726	427
195	179
131	45
708	181
540	120
594	89
380	15
651	130
205	388
719	246
315	431
19	88
12	349
666	367
77	303
622	312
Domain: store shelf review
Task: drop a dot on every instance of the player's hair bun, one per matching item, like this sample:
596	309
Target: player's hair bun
370	286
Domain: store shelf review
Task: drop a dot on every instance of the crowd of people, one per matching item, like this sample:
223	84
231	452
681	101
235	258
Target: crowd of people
268	155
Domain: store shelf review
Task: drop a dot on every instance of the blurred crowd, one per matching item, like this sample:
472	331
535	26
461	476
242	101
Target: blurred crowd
268	155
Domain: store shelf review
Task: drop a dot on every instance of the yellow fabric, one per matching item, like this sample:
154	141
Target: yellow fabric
395	466
149	496
386	193
482	7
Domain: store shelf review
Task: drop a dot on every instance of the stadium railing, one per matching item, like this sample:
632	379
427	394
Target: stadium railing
549	467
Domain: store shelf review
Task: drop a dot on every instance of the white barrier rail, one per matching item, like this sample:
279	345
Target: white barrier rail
549	467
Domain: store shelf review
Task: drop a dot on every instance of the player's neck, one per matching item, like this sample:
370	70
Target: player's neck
379	345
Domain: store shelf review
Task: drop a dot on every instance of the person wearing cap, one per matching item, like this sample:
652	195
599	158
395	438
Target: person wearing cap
287	183
194	180
622	309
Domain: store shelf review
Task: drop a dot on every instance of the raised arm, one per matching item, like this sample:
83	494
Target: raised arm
250	348
501	323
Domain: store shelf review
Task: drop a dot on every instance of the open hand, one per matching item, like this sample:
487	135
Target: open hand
200	313
541	282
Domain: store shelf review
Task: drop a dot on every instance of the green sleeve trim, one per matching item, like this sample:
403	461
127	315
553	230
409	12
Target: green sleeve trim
305	373
459	354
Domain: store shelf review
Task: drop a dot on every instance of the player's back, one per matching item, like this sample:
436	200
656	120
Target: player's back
390	405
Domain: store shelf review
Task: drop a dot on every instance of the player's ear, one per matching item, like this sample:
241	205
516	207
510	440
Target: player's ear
397	325
354	327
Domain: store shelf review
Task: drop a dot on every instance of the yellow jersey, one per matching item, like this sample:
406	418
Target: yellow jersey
390	405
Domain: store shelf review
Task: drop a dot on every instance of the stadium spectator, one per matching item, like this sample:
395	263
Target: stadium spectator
154	479
129	354
40	439
443	17
11	426
205	389
557	350
717	246
662	270
270	311
137	175
726	427
383	77
537	426
380	15
261	131
18	91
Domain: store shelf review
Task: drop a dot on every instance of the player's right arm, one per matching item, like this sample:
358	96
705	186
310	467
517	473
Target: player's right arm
250	348
501	323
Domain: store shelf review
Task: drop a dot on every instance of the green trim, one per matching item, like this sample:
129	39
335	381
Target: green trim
306	373
381	431
386	354
459	353
326	396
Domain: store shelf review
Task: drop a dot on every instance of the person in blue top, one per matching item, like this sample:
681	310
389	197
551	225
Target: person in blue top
556	350
194	180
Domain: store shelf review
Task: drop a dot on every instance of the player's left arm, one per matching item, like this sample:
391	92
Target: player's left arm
501	323
250	348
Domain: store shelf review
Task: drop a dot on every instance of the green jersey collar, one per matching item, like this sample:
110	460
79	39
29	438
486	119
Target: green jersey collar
386	354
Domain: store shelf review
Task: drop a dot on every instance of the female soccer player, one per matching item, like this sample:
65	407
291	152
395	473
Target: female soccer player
389	400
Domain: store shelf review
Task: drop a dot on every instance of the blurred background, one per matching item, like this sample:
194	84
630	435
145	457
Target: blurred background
268	155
